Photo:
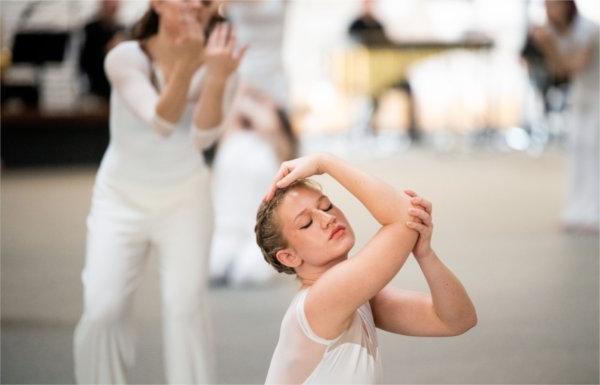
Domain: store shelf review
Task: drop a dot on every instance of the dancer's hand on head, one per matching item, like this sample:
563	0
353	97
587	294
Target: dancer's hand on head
221	54
420	220
295	169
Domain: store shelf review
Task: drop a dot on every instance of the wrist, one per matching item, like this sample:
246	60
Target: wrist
428	254
186	68
323	162
215	78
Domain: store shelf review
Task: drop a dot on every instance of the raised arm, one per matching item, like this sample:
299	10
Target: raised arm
447	311
336	295
222	59
130	73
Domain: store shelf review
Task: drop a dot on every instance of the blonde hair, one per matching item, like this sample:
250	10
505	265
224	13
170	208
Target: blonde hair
269	236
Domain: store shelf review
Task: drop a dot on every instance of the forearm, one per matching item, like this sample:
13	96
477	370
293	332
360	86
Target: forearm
450	299
383	202
172	101
209	111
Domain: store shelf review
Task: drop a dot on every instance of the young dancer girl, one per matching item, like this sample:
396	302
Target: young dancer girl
169	91
328	333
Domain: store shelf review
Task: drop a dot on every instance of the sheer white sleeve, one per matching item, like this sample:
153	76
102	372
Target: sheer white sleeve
205	138
129	73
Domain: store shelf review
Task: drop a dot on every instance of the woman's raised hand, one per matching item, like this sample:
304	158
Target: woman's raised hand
295	169
420	220
189	40
221	55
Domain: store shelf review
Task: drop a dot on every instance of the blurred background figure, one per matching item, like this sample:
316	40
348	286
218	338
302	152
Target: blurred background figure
568	47
100	35
366	28
259	138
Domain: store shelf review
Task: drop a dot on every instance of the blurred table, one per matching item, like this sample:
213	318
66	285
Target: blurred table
36	138
370	70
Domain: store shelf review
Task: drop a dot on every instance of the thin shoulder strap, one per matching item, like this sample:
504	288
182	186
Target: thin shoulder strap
144	47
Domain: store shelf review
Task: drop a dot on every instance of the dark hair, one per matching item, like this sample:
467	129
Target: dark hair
571	11
147	25
286	127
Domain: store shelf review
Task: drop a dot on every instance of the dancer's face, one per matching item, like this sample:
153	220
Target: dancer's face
173	11
316	231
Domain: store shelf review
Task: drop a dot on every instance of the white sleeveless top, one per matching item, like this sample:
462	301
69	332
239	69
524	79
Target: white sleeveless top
302	357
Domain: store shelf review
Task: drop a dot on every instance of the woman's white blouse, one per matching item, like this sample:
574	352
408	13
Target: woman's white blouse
145	150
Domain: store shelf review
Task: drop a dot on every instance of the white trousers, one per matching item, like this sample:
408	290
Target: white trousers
123	225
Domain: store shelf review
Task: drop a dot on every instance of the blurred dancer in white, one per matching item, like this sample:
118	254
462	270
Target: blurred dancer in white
170	87
259	140
569	44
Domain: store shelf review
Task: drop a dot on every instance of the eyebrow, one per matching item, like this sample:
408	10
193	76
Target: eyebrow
304	211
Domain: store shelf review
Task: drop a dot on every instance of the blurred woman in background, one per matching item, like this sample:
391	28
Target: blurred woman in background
569	44
170	89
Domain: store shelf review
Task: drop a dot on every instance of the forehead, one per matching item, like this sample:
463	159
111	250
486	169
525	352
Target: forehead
297	200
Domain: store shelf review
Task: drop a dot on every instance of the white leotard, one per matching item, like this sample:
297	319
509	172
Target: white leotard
302	357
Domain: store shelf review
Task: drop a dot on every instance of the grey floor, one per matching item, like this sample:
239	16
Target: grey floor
497	227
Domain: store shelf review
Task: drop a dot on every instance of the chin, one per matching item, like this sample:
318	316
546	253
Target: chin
349	243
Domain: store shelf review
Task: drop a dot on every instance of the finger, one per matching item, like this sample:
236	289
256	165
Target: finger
416	219
212	39
223	34
427	205
271	193
231	40
421	202
240	54
417	226
284	169
287	180
422	214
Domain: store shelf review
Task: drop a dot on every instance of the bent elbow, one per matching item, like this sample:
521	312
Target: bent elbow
471	323
467	324
162	126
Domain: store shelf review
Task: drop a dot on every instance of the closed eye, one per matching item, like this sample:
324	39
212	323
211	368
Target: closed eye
328	208
307	225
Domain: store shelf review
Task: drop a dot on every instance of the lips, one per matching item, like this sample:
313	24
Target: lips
336	230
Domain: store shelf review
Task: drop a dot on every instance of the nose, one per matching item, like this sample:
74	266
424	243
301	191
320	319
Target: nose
325	219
